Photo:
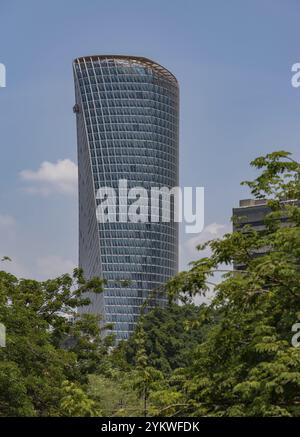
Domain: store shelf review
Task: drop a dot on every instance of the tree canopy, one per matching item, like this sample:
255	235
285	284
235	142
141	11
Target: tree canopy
232	357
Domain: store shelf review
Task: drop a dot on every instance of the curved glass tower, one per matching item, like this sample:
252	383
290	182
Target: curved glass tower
127	111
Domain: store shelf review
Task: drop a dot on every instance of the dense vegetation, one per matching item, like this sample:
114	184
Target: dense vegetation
233	357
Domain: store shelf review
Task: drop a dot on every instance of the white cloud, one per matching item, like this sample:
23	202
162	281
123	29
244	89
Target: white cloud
25	262
43	268
9	246
210	232
15	267
51	266
60	177
189	253
6	221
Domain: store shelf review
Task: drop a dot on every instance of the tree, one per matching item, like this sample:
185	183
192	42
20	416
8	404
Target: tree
144	376
247	365
114	394
231	358
75	402
33	365
170	334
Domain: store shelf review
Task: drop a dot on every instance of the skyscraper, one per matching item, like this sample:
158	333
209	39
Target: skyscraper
127	111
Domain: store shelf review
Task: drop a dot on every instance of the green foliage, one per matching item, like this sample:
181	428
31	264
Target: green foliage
246	365
170	335
114	394
231	358
34	365
75	402
13	395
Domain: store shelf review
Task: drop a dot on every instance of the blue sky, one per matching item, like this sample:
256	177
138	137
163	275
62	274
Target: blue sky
232	59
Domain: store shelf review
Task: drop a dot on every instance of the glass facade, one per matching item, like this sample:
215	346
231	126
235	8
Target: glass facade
127	111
